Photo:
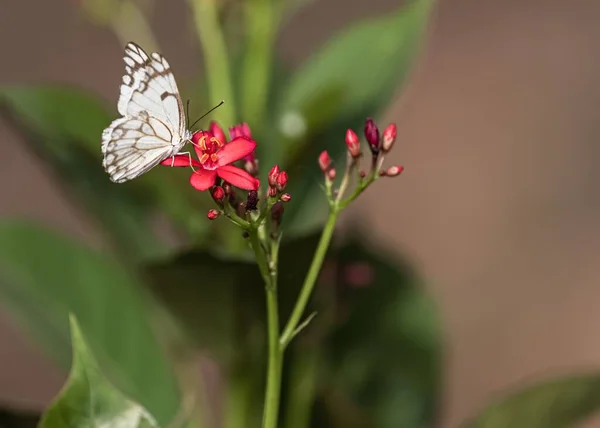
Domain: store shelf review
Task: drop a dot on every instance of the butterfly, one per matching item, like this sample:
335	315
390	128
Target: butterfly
153	124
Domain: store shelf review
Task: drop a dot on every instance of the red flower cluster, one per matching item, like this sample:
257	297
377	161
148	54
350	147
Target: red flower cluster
215	156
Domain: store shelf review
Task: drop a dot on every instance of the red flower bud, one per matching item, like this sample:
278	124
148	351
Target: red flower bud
286	197
241	130
273	175
353	143
218	194
281	181
389	137
331	174
372	136
213	214
394	171
324	161
272	192
217	132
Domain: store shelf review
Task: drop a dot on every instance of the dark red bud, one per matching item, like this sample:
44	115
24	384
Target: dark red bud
277	213
372	135
252	201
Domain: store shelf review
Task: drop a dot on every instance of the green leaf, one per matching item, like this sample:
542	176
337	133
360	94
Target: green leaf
45	276
372	354
363	64
88	399
353	76
63	125
558	403
381	363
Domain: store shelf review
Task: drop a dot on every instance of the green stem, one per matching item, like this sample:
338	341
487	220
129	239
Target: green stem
273	389
268	271
216	60
311	278
261	26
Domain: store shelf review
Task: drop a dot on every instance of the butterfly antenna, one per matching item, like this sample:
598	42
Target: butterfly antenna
187	110
207	113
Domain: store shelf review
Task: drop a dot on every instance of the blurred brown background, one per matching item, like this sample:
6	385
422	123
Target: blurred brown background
499	205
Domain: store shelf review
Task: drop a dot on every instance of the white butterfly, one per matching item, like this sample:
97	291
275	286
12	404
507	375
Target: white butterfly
153	126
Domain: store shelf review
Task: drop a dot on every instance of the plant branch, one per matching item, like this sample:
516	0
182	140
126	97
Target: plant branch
216	60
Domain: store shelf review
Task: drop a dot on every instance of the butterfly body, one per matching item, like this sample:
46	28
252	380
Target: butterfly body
153	126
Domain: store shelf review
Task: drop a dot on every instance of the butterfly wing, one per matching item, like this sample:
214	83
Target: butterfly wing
153	124
153	89
133	146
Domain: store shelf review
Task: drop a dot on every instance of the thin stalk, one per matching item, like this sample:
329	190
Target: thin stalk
216	60
261	23
268	271
311	277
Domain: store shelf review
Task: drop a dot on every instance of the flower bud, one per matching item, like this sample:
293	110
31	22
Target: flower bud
277	213
353	143
217	132
389	137
240	130
331	174
286	197
272	192
372	136
324	161
218	194
273	173
213	214
281	181
394	171
252	201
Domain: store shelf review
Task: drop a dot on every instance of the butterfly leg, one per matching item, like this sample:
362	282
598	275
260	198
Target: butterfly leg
184	153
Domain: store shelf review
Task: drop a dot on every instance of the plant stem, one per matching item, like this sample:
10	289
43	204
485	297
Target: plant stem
268	270
311	278
216	60
261	23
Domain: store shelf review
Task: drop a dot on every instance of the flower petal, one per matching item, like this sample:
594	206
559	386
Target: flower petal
203	179
235	150
238	177
180	160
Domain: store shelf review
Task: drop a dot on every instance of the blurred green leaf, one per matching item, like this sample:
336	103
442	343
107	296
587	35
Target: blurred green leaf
353	76
370	357
364	64
46	276
558	403
88	399
381	362
63	125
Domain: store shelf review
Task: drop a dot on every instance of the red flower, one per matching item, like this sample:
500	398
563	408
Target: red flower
214	160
